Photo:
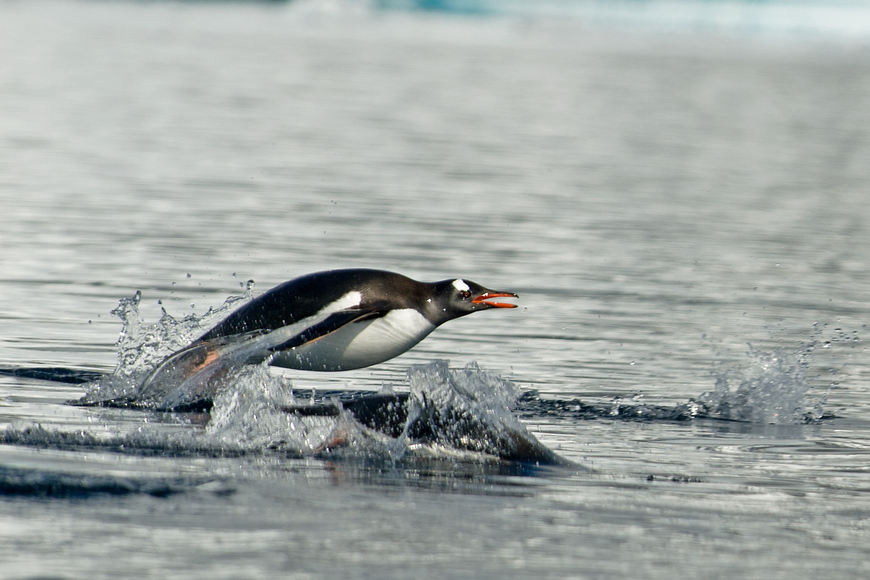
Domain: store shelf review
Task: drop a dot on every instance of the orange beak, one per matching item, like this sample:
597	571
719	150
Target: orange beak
486	296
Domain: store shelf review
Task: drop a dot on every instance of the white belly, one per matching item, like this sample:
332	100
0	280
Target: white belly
359	344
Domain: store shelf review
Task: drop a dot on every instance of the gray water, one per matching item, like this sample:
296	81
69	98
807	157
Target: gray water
684	217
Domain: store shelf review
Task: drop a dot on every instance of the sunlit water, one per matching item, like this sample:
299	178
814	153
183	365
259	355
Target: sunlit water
684	218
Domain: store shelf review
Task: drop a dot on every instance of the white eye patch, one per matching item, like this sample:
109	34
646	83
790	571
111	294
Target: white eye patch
461	285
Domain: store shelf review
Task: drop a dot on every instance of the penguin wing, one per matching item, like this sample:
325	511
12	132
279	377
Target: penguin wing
328	325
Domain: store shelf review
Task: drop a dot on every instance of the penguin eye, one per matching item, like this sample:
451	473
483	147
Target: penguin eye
465	294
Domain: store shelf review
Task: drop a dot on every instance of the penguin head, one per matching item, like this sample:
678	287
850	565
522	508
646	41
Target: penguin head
458	297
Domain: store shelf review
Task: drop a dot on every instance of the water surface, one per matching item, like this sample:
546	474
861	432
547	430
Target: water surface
673	210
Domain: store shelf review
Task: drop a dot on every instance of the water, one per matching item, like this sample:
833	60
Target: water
683	216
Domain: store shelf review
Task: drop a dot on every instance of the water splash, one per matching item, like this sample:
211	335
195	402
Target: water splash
775	388
142	347
250	415
771	389
458	413
468	409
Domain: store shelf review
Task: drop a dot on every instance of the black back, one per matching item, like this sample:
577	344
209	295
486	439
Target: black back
302	297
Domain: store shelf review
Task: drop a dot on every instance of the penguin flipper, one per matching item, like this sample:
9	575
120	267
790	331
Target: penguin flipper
189	374
330	324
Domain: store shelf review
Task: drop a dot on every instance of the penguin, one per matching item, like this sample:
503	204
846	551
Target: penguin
335	320
341	320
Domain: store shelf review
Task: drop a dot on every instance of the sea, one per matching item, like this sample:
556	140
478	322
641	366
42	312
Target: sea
678	191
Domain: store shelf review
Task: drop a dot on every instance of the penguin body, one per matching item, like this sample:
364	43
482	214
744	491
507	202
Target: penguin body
348	319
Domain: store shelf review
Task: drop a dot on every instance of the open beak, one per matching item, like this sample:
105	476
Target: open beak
487	296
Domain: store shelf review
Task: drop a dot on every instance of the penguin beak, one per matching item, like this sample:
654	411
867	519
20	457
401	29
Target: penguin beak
488	295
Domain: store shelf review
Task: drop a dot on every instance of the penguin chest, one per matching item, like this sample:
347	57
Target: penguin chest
359	344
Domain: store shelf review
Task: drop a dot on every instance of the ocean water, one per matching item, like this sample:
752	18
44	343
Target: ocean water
677	191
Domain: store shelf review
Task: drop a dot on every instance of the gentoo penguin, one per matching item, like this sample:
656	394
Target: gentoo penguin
347	319
335	320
